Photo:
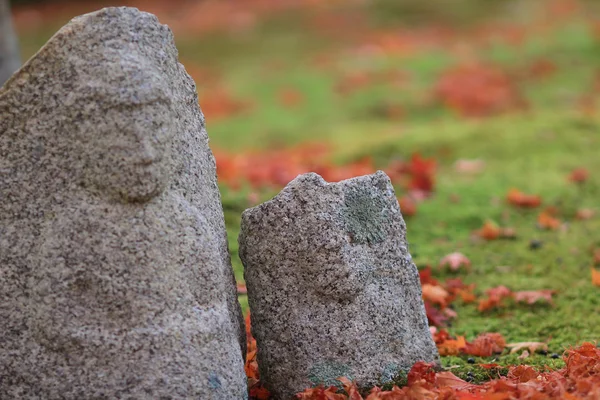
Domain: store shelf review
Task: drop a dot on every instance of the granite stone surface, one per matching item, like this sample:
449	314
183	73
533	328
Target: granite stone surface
331	285
115	277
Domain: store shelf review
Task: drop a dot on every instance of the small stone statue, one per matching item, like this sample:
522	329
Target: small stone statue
331	285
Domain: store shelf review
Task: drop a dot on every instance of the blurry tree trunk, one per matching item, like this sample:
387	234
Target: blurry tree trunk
9	51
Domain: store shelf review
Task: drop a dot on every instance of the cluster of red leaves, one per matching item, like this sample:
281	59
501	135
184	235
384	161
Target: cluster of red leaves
255	389
496	296
218	103
484	345
579	379
476	90
438	297
276	168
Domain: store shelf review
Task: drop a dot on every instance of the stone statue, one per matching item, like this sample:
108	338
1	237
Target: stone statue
115	277
331	285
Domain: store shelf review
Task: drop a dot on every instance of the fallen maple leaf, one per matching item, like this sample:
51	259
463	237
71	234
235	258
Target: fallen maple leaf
485	345
489	231
422	171
454	261
434	316
579	175
435	294
452	347
595	277
520	199
321	393
350	388
495	297
532	296
546	221
531	346
522	373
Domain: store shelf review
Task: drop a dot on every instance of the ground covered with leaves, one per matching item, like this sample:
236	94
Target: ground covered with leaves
485	116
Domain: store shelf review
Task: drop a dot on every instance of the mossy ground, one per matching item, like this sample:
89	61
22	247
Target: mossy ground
532	150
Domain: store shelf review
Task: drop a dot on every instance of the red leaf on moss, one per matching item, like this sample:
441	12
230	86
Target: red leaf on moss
495	297
489	231
485	345
595	277
421	371
517	198
579	175
434	316
478	90
422	171
547	221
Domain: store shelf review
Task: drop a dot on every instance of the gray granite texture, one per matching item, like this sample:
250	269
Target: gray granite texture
115	277
9	51
332	287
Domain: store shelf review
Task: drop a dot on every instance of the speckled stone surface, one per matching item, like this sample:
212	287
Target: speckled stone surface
115	277
332	287
9	51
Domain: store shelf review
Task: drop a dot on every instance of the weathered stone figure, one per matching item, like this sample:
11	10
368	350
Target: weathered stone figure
332	287
9	51
115	278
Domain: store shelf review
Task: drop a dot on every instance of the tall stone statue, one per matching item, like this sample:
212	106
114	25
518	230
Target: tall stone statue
331	285
9	51
115	277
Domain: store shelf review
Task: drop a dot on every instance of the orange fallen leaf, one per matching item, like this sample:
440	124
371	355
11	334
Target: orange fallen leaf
522	373
489	231
350	388
546	221
495	297
435	294
321	393
452	347
485	345
517	198
595	277
455	261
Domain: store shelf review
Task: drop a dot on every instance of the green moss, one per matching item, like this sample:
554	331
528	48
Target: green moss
365	215
327	373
